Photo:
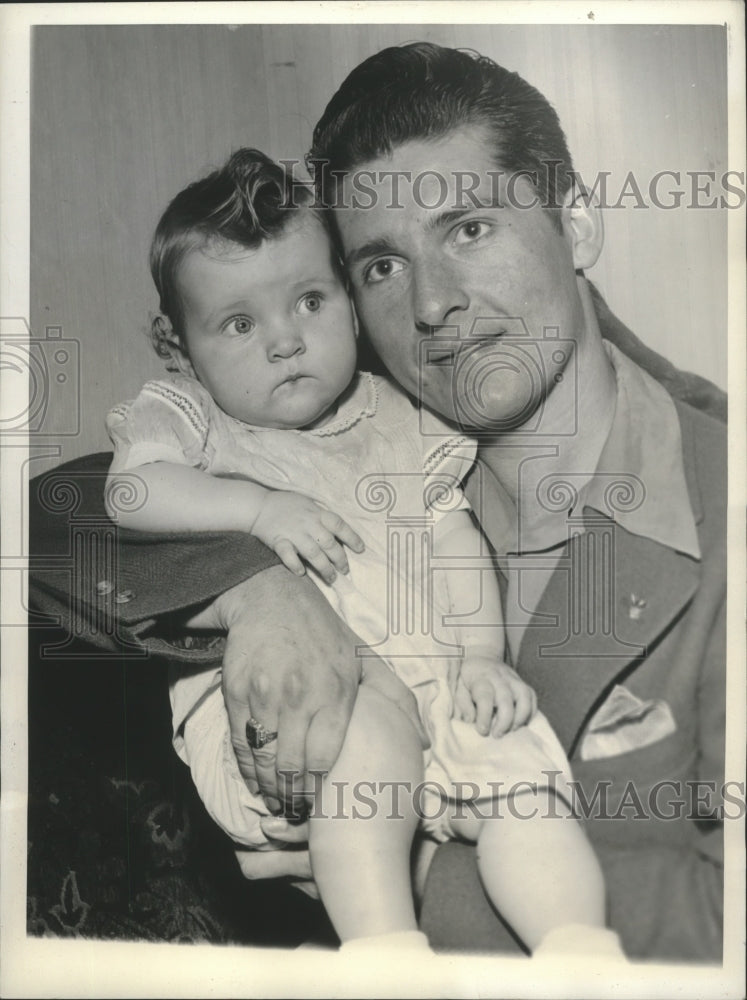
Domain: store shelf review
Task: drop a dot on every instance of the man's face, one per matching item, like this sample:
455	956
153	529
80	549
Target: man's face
490	272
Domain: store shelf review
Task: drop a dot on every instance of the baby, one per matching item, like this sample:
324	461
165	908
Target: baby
266	426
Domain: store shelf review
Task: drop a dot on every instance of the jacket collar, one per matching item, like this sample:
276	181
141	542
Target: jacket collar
585	634
611	597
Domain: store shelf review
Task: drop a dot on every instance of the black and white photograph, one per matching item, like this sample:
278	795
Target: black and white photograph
373	486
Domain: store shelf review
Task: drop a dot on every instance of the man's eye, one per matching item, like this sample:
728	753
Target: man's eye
382	269
239	325
470	231
311	302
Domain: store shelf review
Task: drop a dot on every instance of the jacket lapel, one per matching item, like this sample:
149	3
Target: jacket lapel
611	597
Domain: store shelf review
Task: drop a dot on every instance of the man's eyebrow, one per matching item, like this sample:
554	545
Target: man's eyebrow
371	248
446	219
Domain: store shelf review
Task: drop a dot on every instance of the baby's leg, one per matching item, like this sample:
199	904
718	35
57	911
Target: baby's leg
361	829
540	871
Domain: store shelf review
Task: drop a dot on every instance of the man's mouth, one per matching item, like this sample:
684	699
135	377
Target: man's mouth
444	356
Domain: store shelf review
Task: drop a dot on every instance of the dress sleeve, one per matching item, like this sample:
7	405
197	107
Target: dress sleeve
447	459
168	422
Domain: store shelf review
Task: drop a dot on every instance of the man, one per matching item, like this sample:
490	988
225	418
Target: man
602	498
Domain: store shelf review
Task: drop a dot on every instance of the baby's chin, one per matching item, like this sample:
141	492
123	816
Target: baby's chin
326	409
321	418
302	415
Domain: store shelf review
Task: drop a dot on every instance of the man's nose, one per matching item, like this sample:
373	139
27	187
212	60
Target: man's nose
283	342
438	294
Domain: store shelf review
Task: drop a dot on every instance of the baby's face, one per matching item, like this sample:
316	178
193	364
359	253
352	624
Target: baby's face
270	332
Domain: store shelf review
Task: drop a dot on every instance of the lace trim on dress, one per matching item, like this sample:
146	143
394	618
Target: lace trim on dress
182	403
120	410
438	455
351	411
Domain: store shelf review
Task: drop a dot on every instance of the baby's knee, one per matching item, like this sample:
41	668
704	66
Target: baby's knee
382	740
380	765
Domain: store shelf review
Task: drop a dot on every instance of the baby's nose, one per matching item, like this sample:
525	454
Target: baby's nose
285	343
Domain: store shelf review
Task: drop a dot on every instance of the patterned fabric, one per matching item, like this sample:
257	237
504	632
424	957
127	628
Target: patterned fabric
119	845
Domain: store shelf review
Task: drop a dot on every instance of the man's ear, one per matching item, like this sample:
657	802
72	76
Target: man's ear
582	222
169	346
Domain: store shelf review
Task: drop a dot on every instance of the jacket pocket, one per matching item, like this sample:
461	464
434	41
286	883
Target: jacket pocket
624	723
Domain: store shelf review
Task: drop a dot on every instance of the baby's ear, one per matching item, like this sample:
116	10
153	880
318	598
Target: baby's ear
168	345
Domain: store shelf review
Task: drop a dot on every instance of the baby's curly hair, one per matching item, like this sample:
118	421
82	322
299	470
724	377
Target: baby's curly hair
249	200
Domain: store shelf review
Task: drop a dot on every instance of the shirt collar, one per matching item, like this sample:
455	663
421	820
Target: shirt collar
645	446
639	479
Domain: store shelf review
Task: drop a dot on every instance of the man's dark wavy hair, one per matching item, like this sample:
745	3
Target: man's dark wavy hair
247	201
424	91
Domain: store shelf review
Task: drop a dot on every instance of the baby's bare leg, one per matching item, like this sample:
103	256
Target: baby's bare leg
361	828
538	868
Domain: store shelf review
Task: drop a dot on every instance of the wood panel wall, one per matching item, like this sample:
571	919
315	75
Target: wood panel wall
123	117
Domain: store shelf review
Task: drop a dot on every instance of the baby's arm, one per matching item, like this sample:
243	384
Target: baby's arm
182	498
488	691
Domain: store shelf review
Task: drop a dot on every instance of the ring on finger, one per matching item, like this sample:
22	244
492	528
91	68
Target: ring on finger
258	735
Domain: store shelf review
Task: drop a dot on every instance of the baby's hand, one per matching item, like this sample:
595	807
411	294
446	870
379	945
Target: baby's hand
299	528
493	696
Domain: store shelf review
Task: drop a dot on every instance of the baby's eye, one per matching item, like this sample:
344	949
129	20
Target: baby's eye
239	325
311	302
382	269
470	231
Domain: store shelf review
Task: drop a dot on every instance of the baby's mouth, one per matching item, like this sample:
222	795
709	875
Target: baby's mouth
292	378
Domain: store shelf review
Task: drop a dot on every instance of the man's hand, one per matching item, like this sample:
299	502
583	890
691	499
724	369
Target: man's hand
300	530
493	696
275	862
290	664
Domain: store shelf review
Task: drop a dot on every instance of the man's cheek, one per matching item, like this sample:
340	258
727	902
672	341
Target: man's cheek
385	330
404	359
436	389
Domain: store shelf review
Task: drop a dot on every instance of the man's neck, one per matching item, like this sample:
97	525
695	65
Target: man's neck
574	424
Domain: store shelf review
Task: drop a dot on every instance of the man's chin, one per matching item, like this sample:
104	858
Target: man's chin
495	414
499	397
